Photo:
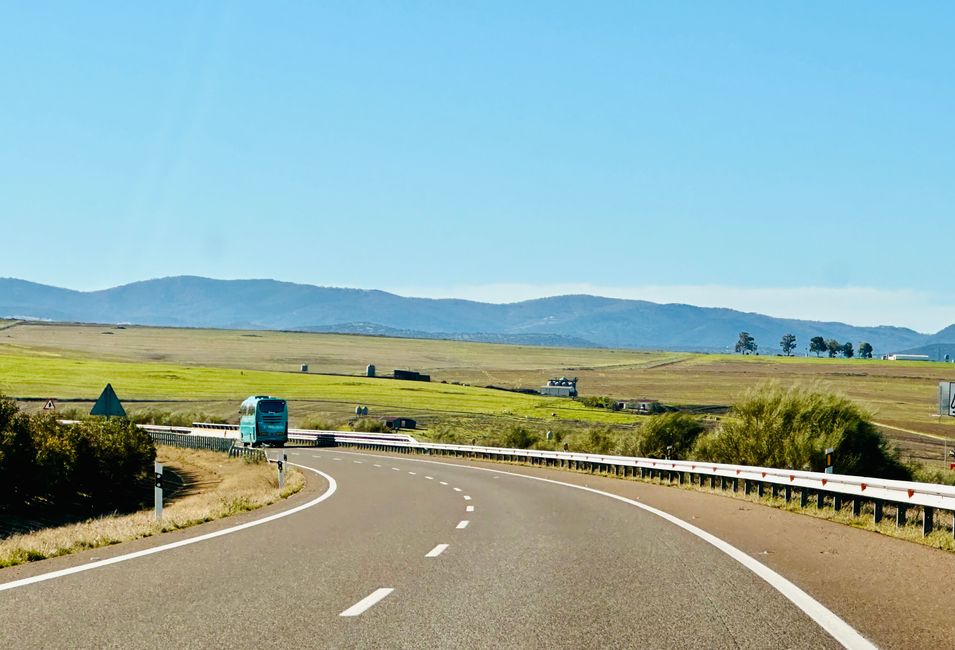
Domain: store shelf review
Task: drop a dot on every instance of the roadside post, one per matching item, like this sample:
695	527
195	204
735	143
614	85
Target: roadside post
281	464
829	452
158	490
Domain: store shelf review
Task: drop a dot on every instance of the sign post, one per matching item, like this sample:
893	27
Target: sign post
158	491
281	464
829	452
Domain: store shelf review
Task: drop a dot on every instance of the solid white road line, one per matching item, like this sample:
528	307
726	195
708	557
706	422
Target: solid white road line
437	550
463	524
367	602
469	509
825	618
43	577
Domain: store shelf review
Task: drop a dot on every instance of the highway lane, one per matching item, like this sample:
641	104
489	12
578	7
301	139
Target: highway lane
537	565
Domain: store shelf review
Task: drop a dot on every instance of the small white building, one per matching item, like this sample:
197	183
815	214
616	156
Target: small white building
908	357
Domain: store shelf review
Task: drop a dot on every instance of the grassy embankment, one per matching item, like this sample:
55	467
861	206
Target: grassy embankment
218	486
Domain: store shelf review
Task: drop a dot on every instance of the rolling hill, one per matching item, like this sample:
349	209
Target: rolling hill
574	320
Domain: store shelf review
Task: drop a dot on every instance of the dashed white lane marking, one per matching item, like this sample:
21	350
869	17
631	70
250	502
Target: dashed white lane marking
357	462
467	498
457	489
367	602
332	487
396	469
315	456
377	465
295	453
336	458
463	524
469	509
437	550
443	482
825	618
430	478
413	473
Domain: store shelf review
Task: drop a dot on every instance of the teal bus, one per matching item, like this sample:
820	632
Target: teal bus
263	421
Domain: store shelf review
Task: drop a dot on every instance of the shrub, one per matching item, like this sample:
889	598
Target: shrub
678	431
518	437
370	425
776	427
101	460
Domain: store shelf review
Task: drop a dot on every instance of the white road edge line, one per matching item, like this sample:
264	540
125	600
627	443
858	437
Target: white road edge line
437	550
367	602
825	618
463	524
43	577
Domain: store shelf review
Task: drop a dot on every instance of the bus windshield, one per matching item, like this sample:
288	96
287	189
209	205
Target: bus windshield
271	407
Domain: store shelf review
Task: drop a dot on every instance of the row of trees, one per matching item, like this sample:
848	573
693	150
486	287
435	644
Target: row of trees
747	344
96	465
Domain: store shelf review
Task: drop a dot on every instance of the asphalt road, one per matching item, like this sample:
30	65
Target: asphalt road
536	565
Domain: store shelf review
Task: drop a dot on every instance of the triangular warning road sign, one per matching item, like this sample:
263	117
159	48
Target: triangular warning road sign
108	404
49	405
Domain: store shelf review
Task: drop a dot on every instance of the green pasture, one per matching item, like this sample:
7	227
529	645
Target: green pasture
44	375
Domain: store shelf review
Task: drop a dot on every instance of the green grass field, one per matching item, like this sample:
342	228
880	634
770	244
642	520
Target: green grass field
213	370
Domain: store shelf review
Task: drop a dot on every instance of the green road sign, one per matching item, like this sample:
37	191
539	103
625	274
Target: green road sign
108	404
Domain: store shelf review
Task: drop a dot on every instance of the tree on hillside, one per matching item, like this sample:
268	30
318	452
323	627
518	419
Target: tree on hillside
746	343
817	344
847	351
788	344
833	347
865	350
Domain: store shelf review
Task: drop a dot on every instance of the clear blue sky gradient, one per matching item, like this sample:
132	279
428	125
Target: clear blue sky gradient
440	145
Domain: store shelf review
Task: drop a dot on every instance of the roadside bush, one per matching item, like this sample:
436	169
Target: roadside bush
676	430
369	425
173	418
98	463
776	427
518	437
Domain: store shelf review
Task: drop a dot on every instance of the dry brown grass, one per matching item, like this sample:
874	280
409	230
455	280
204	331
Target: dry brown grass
221	487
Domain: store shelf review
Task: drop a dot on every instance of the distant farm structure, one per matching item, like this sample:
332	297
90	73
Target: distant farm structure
561	387
411	375
907	357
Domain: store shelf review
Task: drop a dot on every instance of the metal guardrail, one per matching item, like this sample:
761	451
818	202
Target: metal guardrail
788	484
784	483
178	438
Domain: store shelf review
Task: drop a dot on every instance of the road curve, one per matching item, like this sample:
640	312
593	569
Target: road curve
412	554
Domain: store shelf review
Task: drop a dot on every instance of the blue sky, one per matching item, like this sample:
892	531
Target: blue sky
795	159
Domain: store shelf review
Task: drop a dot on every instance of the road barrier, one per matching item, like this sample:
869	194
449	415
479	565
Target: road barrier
183	437
810	487
818	488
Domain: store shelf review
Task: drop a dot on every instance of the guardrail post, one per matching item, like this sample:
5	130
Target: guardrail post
735	484
775	490
803	497
837	501
746	486
158	490
900	515
281	466
761	489
820	500
856	506
789	493
927	520
723	483
877	510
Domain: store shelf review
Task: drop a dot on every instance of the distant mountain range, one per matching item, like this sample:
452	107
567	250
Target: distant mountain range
569	321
